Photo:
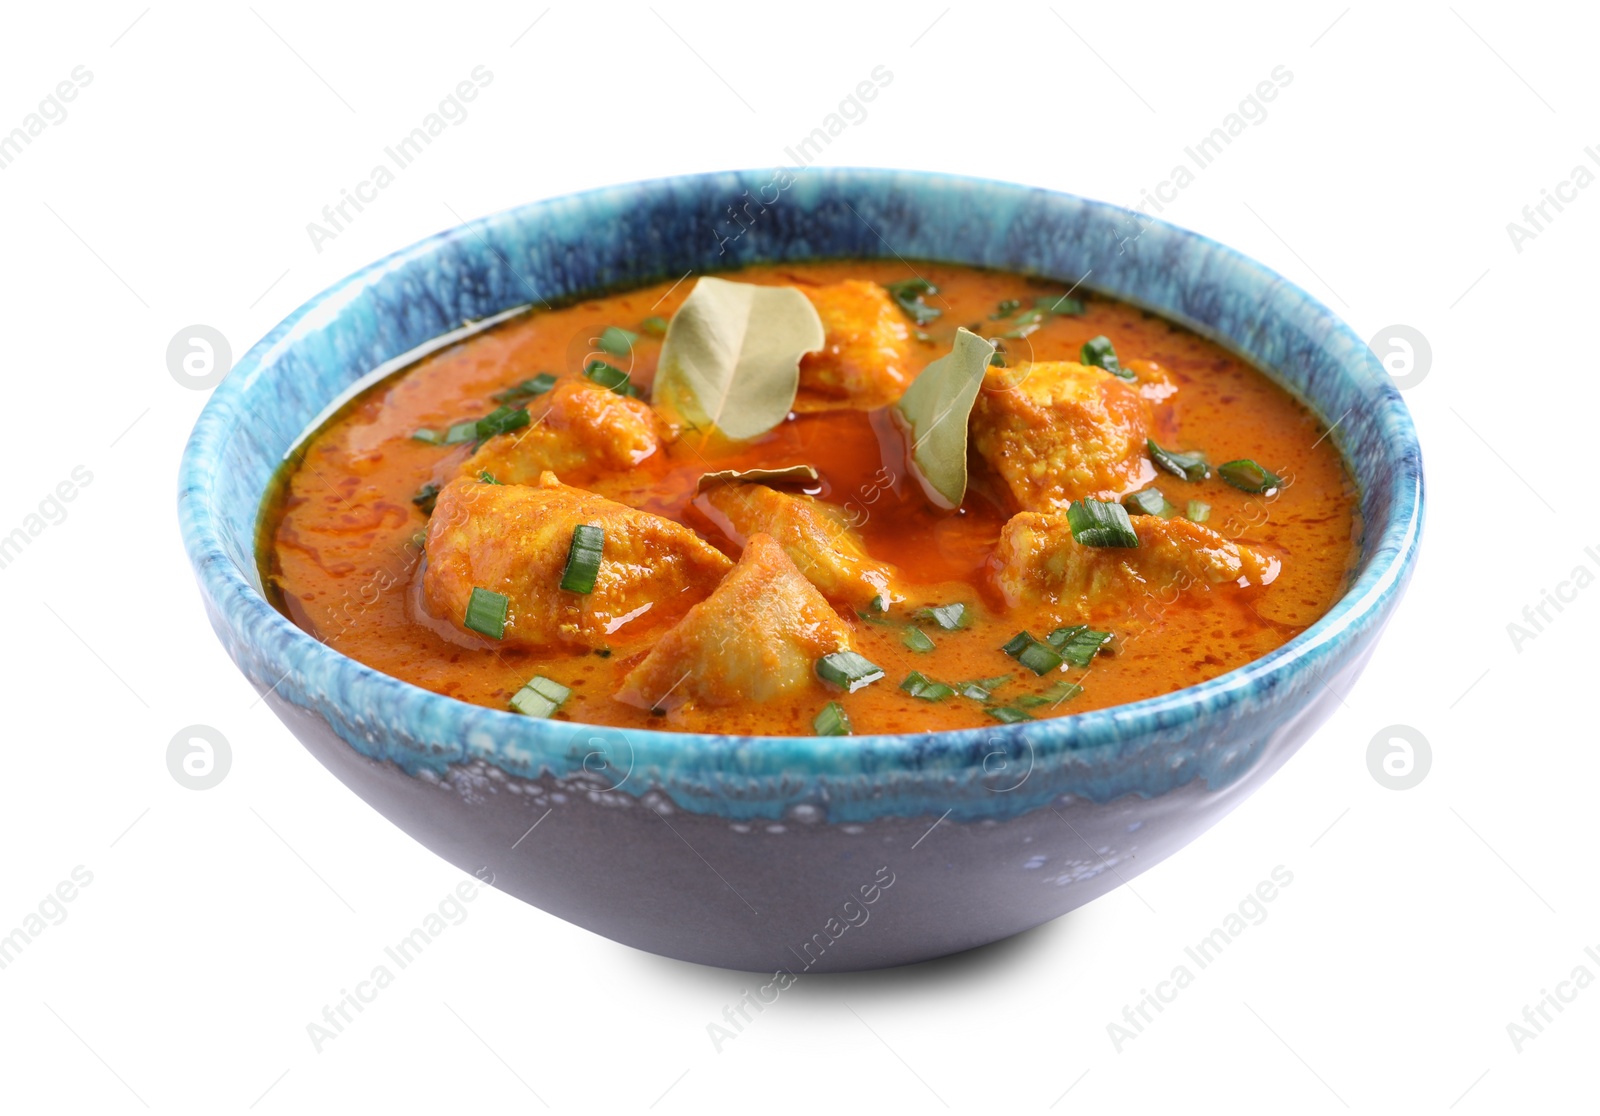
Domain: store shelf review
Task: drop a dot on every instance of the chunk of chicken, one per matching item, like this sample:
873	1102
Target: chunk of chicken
583	431
1058	431
1039	564
815	535
513	539
759	635
864	360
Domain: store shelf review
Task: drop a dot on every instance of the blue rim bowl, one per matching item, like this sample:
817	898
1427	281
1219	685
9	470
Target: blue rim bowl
751	853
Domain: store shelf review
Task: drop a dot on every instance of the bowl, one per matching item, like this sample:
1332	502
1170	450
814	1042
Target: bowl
804	854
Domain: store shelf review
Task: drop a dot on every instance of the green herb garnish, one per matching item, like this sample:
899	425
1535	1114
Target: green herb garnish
1038	657
907	294
832	721
501	420
486	613
583	558
610	377
1151	501
1055	695
1098	352
655	327
1078	643
979	689
427	496
1245	475
540	697
527	389
917	640
432	437
1027	322
848	670
1058	304
461	432
1007	715
919	685
1190	465
951	617
616	341
1100	523
1199	511
1007	307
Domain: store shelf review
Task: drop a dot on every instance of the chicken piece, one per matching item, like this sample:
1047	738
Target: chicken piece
757	637
816	536
1058	431
1039	563
584	431
864	360
513	539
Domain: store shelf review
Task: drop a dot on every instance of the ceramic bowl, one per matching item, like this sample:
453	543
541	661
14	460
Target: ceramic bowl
800	854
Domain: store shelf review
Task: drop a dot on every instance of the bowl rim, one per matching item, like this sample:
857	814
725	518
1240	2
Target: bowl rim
526	747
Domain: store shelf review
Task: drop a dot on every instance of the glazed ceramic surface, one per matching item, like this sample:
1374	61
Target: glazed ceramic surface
805	853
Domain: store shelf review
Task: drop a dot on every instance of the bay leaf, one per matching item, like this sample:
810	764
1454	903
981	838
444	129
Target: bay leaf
731	357
789	474
935	409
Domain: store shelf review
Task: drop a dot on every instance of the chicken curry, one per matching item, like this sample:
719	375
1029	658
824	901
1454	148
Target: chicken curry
824	498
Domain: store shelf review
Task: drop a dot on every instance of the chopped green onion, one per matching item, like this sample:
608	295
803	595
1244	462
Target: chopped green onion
616	341
1151	501
907	294
875	618
1199	511
583	558
1038	657
917	640
1191	466
501	420
1058	304
1077	643
540	697
656	327
432	437
461	432
1055	695
919	685
1098	352
950	617
1007	715
1007	307
832	721
848	670
487	477
979	689
426	497
1027	322
486	613
1100	523
1245	475
611	377
879	604
527	389
997	359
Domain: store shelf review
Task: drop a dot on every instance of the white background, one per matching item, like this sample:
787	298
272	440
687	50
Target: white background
218	923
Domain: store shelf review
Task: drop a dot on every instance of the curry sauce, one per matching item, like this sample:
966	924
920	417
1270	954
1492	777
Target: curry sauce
343	557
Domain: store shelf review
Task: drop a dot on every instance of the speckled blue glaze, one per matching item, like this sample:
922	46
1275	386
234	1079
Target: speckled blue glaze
1211	742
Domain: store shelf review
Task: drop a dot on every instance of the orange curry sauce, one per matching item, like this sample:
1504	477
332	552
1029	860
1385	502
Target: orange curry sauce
341	558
